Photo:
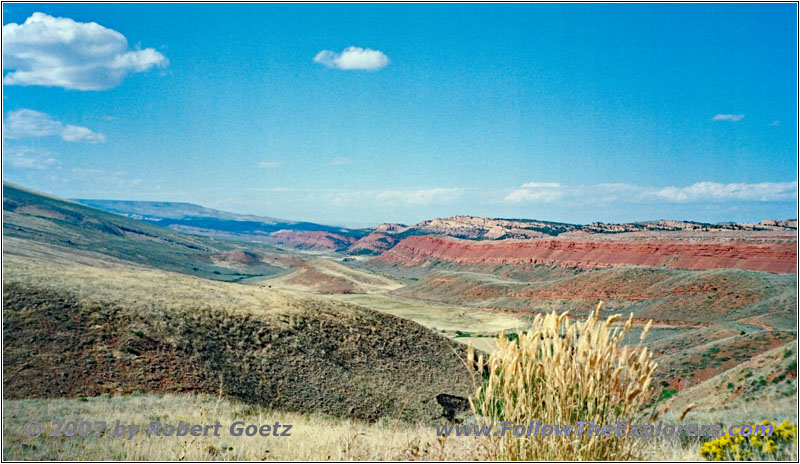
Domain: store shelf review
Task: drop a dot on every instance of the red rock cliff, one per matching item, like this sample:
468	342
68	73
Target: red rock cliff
776	257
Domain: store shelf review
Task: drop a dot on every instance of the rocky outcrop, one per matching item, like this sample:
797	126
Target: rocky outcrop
773	224
776	257
390	228
482	228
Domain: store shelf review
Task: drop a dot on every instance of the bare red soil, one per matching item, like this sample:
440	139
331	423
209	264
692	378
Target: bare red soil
311	240
239	257
375	242
776	257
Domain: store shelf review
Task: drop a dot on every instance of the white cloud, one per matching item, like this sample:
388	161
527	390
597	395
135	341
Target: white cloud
728	117
81	134
270	164
775	123
340	161
545	192
29	158
353	58
551	192
60	52
712	191
26	123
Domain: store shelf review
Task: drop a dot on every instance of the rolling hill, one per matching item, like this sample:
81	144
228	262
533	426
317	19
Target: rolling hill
196	219
98	303
199	220
81	229
126	295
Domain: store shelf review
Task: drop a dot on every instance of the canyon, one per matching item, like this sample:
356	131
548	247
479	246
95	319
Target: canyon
776	256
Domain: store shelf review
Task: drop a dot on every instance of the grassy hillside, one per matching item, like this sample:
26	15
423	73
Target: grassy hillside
200	220
119	315
314	437
753	299
154	210
92	305
706	322
56	222
86	329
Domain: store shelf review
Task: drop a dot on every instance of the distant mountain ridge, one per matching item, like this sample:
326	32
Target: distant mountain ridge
171	210
41	219
200	220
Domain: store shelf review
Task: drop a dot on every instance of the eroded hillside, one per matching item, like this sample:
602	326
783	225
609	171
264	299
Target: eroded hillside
778	255
84	330
98	303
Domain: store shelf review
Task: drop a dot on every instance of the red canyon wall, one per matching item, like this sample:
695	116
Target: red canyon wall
776	257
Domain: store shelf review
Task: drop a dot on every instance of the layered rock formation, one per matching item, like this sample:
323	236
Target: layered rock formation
776	257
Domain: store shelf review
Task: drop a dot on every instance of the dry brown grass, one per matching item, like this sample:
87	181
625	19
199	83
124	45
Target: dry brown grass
76	329
561	372
313	437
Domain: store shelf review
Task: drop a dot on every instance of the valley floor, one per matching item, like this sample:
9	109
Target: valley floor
106	318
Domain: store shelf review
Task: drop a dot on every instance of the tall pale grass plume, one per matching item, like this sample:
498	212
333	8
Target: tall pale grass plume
561	372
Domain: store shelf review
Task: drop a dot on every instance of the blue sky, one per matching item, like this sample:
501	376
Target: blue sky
359	114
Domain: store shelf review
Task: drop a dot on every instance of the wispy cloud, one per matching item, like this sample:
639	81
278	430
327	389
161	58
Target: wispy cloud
353	58
712	191
340	161
550	192
27	123
61	52
775	123
537	191
81	134
270	164
29	158
728	117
